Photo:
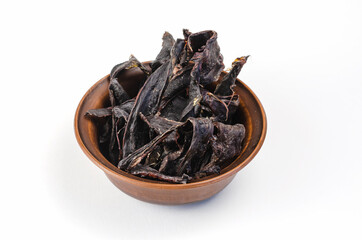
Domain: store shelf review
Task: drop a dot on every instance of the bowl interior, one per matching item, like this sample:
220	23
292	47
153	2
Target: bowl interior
250	113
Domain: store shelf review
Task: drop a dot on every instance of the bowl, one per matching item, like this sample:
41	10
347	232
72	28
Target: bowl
250	113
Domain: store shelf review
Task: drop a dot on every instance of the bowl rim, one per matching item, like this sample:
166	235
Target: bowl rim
142	182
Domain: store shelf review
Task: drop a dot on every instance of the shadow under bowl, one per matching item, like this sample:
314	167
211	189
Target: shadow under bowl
250	113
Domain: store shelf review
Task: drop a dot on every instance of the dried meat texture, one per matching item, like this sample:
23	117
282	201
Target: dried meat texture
202	130
176	53
113	147
147	100
174	129
144	171
99	113
131	63
178	80
193	107
207	57
169	161
181	72
226	144
224	88
187	53
134	158
174	107
232	103
123	110
153	158
120	116
104	131
205	112
218	107
158	123
117	94
176	84
164	55
202	163
186	33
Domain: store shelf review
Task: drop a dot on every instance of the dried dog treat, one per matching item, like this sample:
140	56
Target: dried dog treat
175	129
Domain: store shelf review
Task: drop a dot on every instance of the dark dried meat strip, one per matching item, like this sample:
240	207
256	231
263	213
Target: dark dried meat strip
224	88
174	107
207	57
131	63
201	135
104	131
169	161
117	94
153	158
144	171
225	144
187	53
193	107
217	106
123	110
164	55
135	157
99	113
232	102
136	132
120	116
176	84
158	123
176	53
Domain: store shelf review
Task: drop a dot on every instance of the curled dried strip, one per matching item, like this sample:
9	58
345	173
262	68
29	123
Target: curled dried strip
178	83
169	161
218	107
120	116
201	133
187	53
158	123
224	88
136	132
193	107
226	144
117	94
119	137
144	171
161	156
113	147
134	158
105	128
164	55
153	158
186	33
232	103
207	57
99	113
173	108
131	63
176	53
123	110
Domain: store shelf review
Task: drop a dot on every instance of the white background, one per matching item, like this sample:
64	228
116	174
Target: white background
305	66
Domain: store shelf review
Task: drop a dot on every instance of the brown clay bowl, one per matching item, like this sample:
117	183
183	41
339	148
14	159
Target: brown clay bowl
250	113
